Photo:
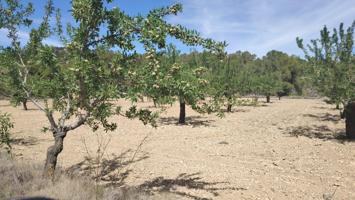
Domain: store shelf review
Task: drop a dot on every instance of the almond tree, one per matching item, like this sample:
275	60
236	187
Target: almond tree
179	80
332	65
230	79
187	84
82	85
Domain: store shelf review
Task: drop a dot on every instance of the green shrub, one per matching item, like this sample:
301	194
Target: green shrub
5	126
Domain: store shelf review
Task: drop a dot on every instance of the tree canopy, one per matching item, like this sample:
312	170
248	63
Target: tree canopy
81	86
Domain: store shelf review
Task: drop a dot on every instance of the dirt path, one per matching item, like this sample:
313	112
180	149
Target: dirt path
289	149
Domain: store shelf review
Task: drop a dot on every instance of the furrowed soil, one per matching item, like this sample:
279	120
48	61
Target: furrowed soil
288	149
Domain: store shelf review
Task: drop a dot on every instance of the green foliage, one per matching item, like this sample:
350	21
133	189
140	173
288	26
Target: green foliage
16	75
80	80
5	136
332	64
277	73
230	78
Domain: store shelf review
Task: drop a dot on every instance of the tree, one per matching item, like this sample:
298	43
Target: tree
229	78
280	74
268	76
332	63
82	84
178	79
11	86
186	82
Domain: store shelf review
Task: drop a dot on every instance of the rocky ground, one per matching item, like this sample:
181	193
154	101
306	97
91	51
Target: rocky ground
288	149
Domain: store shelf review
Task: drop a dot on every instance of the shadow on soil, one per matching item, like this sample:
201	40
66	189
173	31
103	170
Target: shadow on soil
318	132
112	172
325	108
184	184
325	117
29	141
237	110
194	121
33	198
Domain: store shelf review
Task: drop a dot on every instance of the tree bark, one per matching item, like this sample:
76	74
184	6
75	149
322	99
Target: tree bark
182	112
52	154
229	108
24	104
155	102
268	99
350	120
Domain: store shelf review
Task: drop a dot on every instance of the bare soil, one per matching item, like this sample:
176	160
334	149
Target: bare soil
288	149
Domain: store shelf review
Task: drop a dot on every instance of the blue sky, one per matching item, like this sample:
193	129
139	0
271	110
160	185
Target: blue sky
254	25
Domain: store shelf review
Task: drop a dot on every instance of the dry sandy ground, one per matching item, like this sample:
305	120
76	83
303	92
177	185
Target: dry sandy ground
289	149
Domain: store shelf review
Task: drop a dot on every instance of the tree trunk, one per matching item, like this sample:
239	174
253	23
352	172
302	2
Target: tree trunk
279	97
229	108
155	102
182	112
24	104
52	154
350	120
268	99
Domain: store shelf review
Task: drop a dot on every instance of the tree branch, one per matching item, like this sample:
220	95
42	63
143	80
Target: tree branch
66	112
80	121
51	120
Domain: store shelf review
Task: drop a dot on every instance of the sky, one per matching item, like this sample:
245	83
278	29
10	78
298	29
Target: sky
257	26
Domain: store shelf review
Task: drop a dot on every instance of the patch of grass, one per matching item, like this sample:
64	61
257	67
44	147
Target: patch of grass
23	180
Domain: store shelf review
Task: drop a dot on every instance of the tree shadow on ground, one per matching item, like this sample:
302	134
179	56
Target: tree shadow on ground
237	110
111	172
32	198
184	185
324	108
194	121
318	132
324	117
29	141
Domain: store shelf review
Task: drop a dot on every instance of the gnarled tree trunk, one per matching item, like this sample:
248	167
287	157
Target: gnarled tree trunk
268	99
52	154
350	120
182	111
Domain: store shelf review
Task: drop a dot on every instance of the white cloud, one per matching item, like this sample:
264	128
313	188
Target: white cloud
262	25
24	36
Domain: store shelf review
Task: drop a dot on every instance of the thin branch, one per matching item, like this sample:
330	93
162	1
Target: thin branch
66	112
24	80
139	147
51	121
80	121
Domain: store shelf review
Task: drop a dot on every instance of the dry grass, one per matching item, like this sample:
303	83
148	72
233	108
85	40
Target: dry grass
19	180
